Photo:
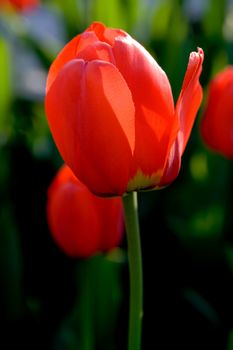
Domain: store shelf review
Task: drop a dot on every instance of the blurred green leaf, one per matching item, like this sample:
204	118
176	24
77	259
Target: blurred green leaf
229	256
230	341
175	53
92	322
201	231
199	167
39	136
214	18
107	279
4	169
220	62
202	305
5	88
11	291
72	11
161	19
207	222
110	12
132	8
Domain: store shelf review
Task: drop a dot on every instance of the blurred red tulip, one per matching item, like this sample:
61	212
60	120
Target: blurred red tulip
217	122
20	5
81	223
111	112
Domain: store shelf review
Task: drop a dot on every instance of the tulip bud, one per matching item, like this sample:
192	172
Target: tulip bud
81	223
217	122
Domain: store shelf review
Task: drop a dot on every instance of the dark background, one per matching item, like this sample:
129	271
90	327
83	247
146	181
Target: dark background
49	301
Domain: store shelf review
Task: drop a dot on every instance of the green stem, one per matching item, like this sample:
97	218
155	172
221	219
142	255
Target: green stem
85	305
135	270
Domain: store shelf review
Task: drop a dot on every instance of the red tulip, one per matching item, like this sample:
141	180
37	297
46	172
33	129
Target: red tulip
217	122
110	109
81	223
20	5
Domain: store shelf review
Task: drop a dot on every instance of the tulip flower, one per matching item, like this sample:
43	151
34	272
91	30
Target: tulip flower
217	122
111	112
81	223
20	5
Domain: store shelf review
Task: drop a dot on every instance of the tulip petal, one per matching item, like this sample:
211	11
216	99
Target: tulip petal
68	53
172	167
71	207
92	125
61	108
109	122
216	124
69	222
105	34
186	110
224	135
156	124
144	76
98	50
190	97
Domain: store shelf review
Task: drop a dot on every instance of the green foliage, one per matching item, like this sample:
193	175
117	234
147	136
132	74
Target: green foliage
230	341
5	88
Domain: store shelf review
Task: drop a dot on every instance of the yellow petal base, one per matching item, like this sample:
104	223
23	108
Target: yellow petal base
141	181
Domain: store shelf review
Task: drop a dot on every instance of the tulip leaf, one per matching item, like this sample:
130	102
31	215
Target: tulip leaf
5	85
201	223
199	167
229	256
214	18
202	305
92	321
38	136
110	12
71	9
10	266
132	11
173	56
209	221
161	19
230	341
